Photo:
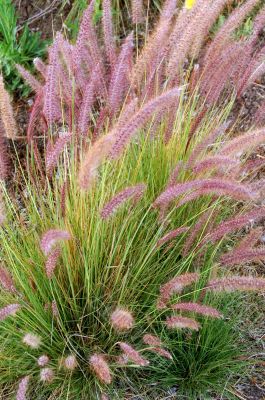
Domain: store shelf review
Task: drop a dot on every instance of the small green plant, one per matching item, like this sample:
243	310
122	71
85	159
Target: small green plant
17	48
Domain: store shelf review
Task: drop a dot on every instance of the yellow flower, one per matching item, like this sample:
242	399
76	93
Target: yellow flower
189	4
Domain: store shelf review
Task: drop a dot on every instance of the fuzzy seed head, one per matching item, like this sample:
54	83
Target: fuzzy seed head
133	355
32	340
70	362
46	375
43	360
101	368
22	388
121	320
182	323
197	308
9	310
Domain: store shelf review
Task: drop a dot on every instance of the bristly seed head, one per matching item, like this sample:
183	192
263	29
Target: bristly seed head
22	388
47	375
32	340
101	368
121	320
43	360
70	362
133	354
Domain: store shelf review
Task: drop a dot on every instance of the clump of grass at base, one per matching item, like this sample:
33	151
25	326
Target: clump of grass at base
117	220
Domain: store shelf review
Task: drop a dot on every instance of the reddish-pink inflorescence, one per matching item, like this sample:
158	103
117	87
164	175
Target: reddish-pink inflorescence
6	280
47	375
172	234
122	320
177	322
9	310
43	360
133	355
234	283
175	285
51	261
134	192
101	368
198	309
51	237
22	388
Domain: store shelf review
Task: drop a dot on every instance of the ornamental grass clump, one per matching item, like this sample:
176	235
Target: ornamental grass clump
113	246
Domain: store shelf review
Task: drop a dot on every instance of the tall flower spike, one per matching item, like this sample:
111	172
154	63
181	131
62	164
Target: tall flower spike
51	237
158	104
156	344
6	311
101	368
172	234
22	388
29	78
235	223
32	340
122	320
119	82
53	152
108	32
6	112
197	308
210	185
175	285
51	261
234	283
6	280
133	354
242	256
137	11
135	192
176	322
93	159
244	142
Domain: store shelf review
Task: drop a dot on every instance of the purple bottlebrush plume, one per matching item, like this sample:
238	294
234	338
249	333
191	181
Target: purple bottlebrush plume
32	340
237	257
171	235
55	311
51	108
203	145
217	186
122	320
119	81
101	368
162	102
156	346
47	375
6	113
6	280
6	311
70	362
109	39
43	360
137	11
234	283
51	261
88	100
35	85
35	114
175	285
152	340
196	229
133	355
221	163
153	52
40	66
94	157
243	143
250	240
22	388
51	237
198	309
235	223
135	192
177	322
174	174
53	152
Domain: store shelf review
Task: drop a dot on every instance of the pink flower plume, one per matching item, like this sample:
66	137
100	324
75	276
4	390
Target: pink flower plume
197	308
6	311
133	355
101	368
22	388
176	322
234	283
171	235
133	191
51	237
122	320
